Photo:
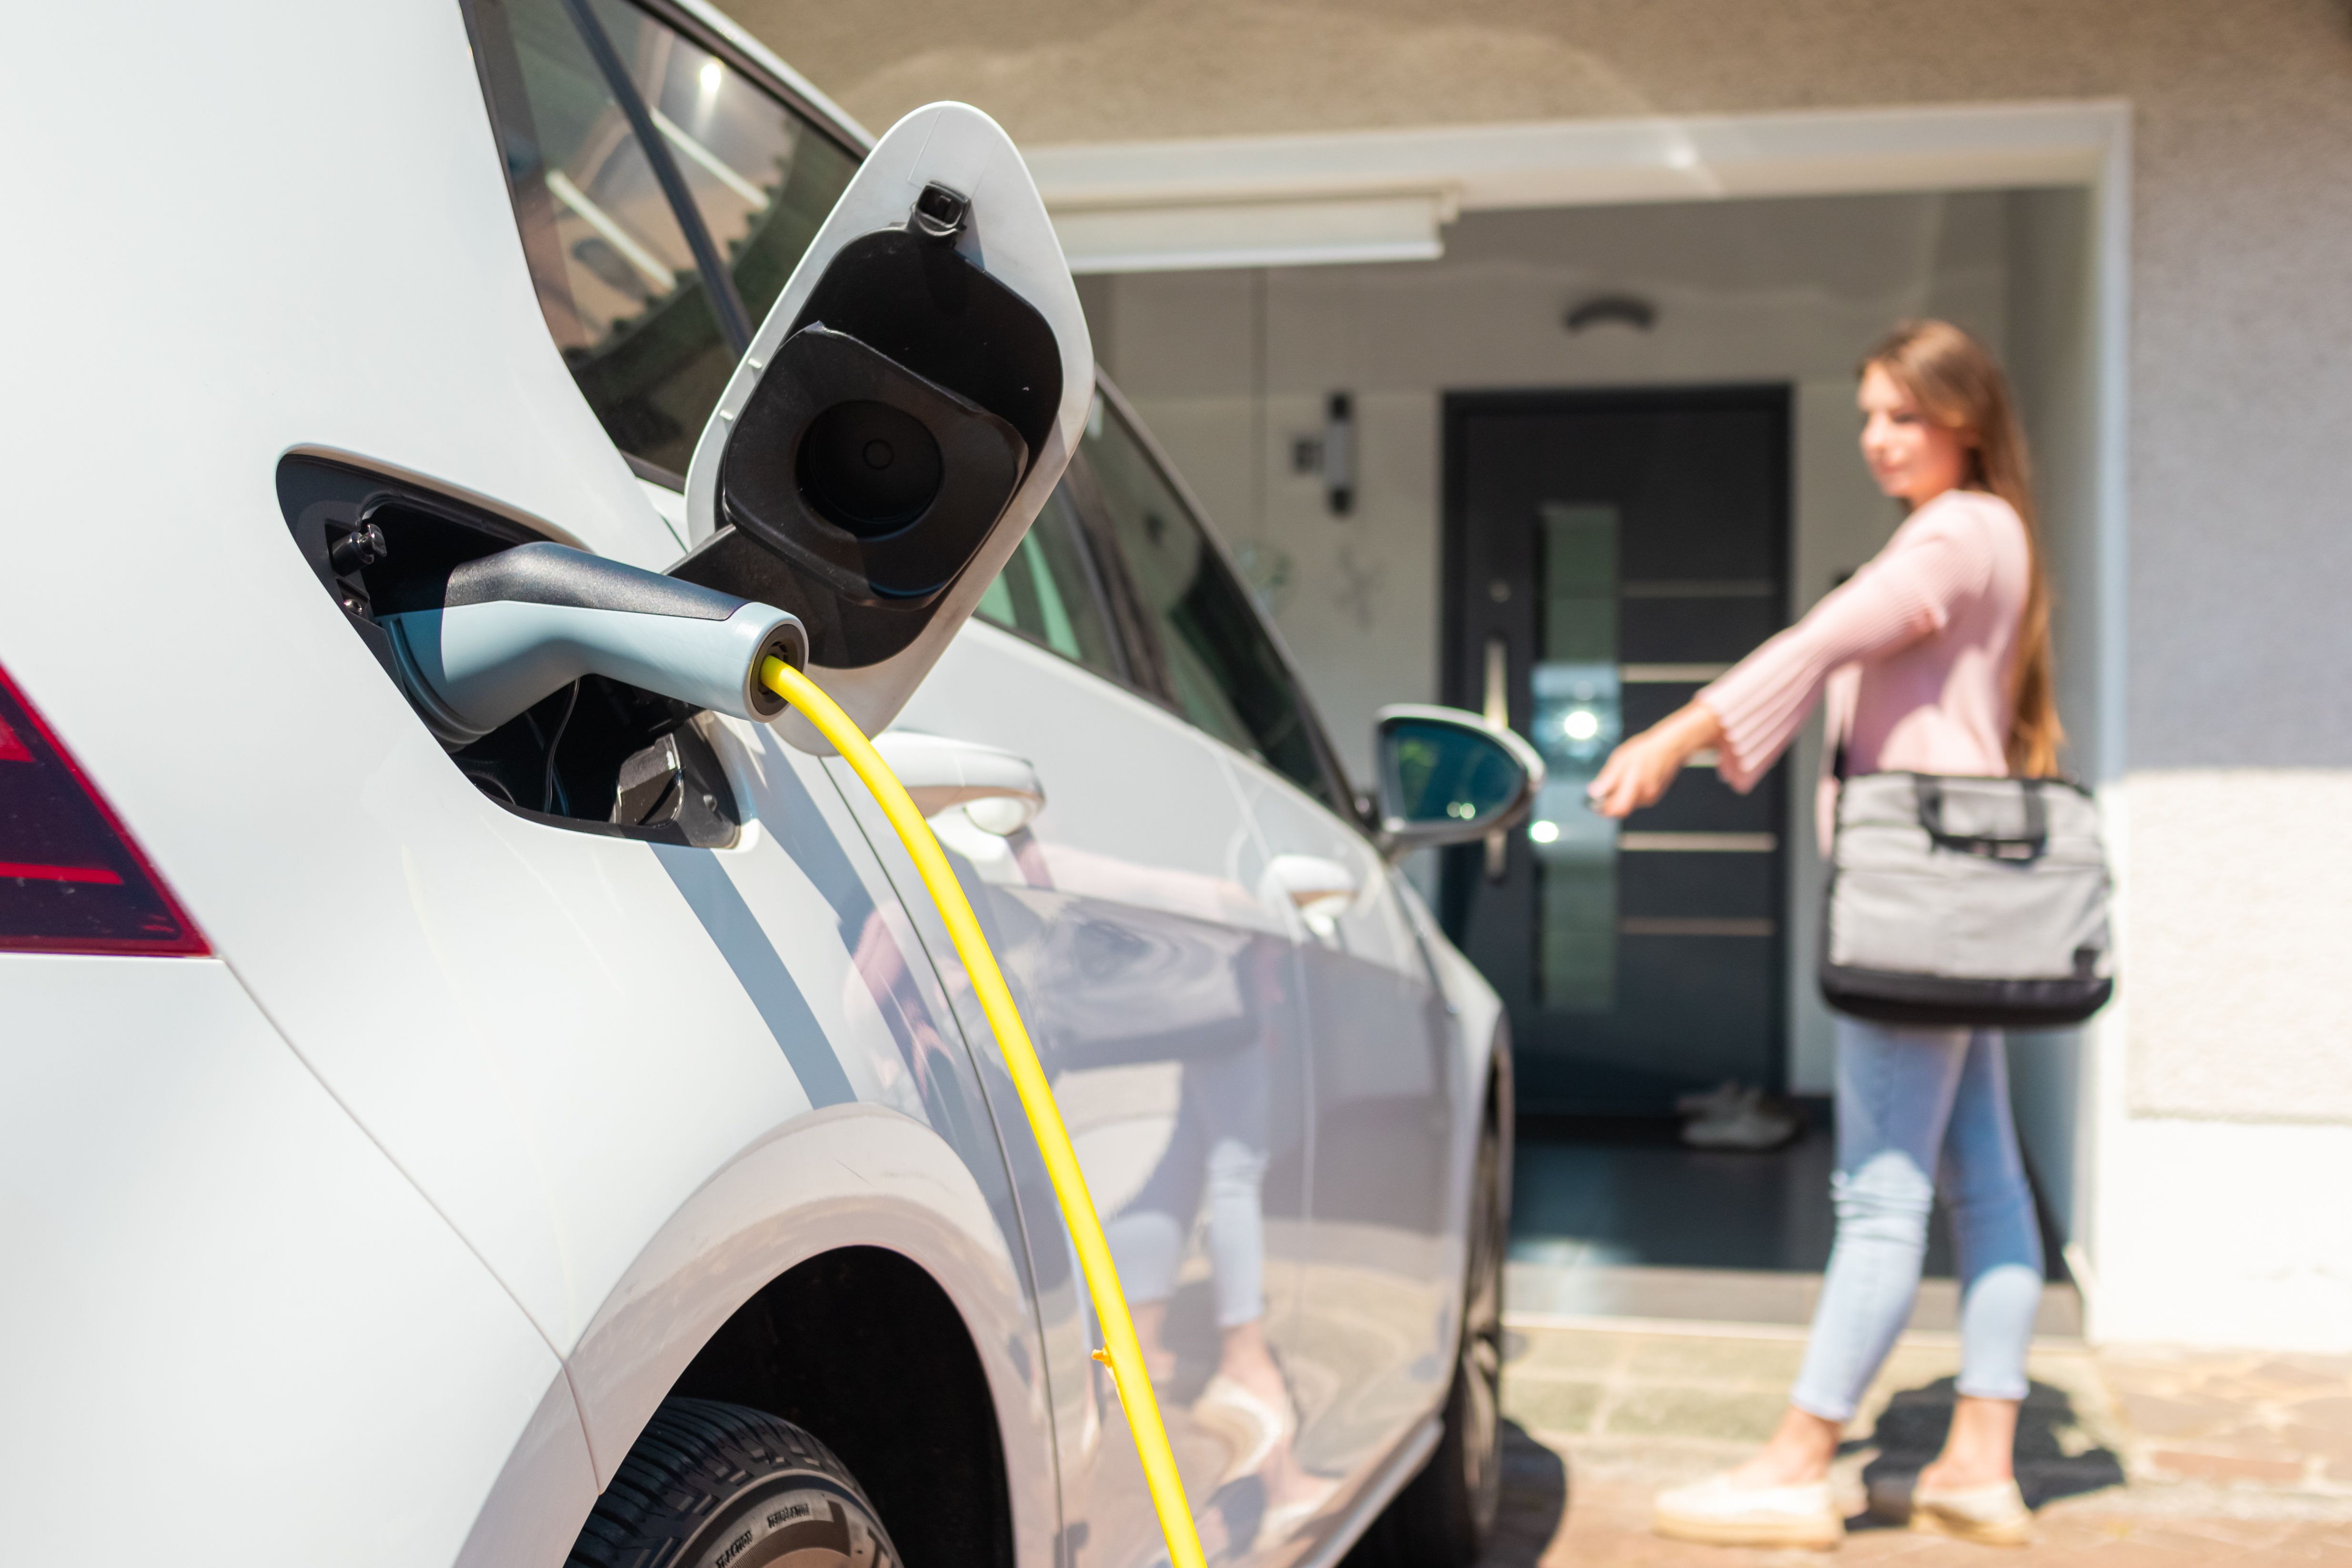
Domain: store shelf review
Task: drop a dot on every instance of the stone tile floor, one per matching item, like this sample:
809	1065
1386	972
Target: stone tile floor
2130	1455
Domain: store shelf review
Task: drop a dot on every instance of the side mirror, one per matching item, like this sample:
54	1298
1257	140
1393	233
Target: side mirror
1446	778
900	417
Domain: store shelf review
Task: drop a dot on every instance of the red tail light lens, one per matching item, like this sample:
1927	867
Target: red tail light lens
71	880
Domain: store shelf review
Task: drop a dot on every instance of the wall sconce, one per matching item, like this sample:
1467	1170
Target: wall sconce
1624	309
1331	454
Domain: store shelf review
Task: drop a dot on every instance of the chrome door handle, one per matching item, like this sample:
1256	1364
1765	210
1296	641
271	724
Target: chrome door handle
1497	710
999	792
1320	890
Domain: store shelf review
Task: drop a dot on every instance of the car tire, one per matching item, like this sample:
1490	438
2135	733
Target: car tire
719	1485
1446	1514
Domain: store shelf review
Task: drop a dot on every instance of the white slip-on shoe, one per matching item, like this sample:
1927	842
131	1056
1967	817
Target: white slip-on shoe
1748	1121
1993	1515
1722	1098
1718	1513
1250	1426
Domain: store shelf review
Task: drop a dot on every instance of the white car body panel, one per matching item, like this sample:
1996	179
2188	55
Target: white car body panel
850	1176
365	853
1141	841
404	1212
1375	1348
204	1255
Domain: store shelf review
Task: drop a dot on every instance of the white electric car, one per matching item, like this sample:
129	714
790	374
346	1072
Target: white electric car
527	1111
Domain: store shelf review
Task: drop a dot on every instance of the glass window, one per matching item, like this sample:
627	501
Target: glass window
1222	666
615	274
762	177
1578	720
1047	593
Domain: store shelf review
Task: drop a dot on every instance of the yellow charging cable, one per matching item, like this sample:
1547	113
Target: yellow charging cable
1122	1353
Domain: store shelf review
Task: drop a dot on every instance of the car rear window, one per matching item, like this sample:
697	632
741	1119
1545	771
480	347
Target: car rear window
650	299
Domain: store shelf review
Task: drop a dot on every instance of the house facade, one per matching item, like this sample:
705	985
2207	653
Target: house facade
1368	268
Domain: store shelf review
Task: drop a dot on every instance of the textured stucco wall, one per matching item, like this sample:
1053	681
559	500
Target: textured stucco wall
2245	875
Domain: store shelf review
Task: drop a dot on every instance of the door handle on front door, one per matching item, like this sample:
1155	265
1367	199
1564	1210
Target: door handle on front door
998	790
1497	711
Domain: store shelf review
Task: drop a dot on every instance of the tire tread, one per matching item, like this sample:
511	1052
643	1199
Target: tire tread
693	1457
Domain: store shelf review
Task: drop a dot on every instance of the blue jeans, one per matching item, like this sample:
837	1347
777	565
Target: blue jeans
1219	1143
1908	1102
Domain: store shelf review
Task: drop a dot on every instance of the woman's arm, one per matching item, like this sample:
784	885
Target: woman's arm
1638	771
1752	712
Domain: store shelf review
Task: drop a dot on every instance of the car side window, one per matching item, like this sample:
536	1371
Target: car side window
1047	592
1223	668
761	178
616	269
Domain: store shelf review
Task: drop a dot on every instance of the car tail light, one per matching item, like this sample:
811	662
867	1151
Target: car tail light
71	880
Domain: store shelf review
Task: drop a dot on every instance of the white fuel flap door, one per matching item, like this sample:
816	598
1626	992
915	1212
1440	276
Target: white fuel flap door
900	417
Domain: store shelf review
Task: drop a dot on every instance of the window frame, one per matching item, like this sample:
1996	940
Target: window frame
1344	802
850	139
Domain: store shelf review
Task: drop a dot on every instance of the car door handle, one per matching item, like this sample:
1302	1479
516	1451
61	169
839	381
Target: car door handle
1320	890
999	792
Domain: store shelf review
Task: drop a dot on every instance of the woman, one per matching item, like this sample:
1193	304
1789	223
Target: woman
1934	659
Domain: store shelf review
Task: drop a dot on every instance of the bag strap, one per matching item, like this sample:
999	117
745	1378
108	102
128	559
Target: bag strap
2031	846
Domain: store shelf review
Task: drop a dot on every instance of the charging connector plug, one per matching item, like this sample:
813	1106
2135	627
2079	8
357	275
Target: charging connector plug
506	630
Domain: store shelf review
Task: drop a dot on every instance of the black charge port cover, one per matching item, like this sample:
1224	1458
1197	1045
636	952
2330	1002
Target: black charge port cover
877	481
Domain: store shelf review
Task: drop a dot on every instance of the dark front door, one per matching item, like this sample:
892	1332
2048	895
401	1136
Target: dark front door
1608	554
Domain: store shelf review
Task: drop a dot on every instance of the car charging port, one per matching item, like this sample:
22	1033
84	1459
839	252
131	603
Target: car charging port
592	751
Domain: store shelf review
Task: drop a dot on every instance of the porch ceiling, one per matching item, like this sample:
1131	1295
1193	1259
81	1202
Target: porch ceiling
1385	195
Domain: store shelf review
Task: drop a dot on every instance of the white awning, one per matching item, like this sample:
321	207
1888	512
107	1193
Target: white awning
1386	196
1305	232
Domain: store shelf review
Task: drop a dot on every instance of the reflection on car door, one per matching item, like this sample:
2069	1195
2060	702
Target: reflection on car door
1379	1290
1155	978
1368	1360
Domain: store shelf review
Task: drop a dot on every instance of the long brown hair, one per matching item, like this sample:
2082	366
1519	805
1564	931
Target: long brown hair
1958	384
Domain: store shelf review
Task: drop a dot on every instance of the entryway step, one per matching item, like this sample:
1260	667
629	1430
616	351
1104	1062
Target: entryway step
1576	1291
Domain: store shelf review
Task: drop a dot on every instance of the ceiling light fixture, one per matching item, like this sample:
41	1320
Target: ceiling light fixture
1624	309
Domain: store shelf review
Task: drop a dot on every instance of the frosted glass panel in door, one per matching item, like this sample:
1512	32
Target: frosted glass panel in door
1576	720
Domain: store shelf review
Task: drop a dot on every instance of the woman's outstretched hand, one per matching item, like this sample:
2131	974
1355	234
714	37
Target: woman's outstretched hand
1638	771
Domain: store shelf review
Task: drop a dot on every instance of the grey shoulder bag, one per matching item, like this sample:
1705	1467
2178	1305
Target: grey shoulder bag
1966	901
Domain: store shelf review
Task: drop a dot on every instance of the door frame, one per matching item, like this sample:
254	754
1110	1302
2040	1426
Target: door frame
1461	677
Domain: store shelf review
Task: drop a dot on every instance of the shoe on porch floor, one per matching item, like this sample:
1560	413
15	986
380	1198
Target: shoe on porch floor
1993	1515
1718	1513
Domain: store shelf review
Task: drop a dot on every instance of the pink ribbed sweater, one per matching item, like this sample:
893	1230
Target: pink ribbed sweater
1912	653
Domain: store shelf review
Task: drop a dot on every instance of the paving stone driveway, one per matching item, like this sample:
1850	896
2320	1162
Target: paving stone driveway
2130	1457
